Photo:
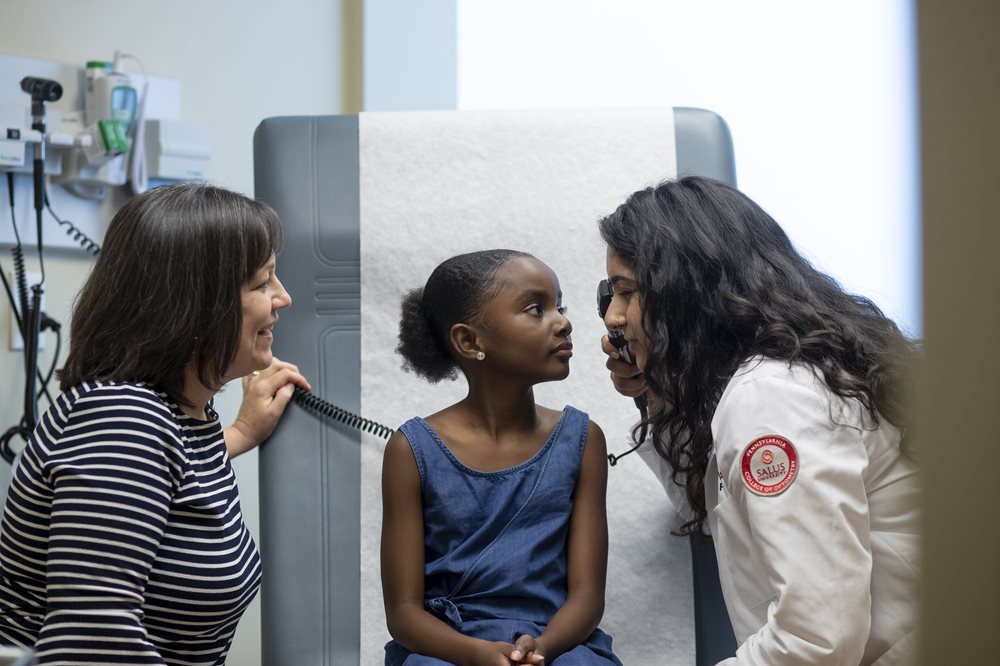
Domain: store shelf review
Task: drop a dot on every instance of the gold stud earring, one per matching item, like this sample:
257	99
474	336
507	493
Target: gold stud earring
480	355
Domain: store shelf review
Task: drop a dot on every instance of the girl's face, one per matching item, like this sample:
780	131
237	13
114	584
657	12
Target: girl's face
625	311
523	329
262	296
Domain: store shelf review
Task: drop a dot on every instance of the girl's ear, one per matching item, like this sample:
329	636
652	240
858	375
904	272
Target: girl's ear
465	341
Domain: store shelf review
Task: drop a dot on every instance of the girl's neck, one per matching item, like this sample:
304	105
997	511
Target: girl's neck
496	410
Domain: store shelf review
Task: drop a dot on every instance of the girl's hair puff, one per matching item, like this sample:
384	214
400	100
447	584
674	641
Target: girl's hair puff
456	292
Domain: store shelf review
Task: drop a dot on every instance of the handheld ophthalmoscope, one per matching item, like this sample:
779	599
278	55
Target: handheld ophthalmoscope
616	337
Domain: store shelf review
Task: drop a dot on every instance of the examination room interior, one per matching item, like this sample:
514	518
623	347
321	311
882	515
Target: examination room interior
868	129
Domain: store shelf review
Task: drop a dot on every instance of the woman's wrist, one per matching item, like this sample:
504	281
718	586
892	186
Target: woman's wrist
236	441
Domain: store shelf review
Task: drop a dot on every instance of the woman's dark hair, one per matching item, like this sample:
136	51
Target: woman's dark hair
721	283
165	290
455	293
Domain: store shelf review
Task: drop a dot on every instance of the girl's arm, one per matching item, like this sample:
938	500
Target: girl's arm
587	554
403	569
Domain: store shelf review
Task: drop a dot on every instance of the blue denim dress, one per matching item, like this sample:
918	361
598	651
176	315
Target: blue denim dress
495	542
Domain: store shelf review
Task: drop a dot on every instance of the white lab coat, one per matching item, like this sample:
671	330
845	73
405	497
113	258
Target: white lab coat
826	571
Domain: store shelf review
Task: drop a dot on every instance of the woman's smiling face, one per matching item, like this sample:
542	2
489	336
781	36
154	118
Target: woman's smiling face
262	296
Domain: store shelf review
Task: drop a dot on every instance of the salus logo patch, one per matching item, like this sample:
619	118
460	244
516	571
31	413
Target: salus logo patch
769	465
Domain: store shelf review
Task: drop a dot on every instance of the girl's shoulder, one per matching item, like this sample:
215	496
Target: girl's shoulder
567	412
571	424
568	419
440	424
553	416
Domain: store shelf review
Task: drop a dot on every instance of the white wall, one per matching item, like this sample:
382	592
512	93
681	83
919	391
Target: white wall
237	62
410	54
820	99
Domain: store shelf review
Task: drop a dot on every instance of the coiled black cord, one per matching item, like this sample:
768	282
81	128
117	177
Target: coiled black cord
21	282
20	276
48	323
320	406
21	285
614	458
81	238
32	334
30	319
6	451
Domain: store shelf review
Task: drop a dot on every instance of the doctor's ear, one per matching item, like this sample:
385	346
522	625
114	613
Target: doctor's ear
465	342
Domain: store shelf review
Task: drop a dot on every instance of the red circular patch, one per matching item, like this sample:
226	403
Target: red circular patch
769	465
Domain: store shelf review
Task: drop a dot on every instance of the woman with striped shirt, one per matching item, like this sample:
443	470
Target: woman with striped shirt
122	539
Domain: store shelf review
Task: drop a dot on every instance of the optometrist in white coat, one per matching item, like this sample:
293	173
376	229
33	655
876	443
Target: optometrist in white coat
769	383
813	510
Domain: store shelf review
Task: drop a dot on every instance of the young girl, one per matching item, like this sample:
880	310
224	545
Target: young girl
494	530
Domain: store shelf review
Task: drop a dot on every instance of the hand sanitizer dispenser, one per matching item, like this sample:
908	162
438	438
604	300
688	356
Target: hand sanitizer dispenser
110	102
110	95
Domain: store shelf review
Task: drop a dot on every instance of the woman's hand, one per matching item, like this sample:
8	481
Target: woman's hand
527	650
265	395
628	379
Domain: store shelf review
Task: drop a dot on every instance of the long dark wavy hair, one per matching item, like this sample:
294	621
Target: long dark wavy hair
721	283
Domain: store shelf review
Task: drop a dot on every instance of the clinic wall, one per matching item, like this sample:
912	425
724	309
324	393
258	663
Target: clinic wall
823	127
959	394
410	55
237	62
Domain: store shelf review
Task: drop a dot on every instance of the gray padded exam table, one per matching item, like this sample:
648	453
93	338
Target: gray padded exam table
307	169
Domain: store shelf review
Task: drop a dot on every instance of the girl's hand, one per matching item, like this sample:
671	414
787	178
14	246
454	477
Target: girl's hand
496	653
527	650
265	396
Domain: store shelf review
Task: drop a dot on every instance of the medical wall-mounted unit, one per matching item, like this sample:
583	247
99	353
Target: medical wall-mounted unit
101	139
176	150
17	138
115	131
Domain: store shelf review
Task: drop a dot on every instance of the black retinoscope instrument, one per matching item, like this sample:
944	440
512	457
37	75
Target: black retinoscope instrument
615	336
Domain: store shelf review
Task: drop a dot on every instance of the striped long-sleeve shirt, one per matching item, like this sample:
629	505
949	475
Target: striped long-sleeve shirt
122	539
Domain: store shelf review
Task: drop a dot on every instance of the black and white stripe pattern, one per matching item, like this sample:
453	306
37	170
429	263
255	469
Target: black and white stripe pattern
122	539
